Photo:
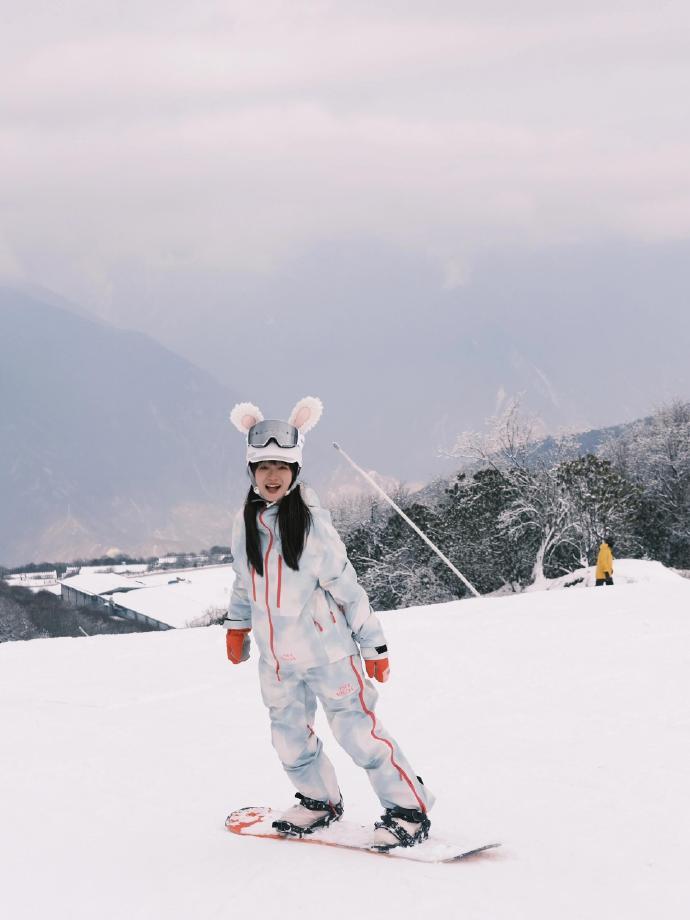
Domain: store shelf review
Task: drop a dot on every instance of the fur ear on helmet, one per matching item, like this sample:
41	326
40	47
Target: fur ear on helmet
306	414
244	415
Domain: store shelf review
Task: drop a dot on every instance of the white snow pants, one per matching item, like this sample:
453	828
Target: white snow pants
349	701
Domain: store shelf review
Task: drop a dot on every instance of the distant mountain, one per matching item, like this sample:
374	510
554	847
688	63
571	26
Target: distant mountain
107	440
347	490
587	336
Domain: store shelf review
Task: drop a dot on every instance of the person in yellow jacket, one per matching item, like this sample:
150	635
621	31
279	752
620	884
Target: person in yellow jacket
604	574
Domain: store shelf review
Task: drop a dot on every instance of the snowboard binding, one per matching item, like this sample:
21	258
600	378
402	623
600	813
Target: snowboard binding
325	813
408	826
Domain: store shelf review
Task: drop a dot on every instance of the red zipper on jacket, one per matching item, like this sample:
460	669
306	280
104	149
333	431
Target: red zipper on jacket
268	606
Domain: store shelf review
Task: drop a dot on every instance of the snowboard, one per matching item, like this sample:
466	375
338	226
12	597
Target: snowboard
258	821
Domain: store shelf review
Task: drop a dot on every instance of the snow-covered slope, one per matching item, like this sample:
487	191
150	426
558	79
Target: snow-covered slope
557	722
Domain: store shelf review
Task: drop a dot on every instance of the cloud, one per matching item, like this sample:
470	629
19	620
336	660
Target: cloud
229	136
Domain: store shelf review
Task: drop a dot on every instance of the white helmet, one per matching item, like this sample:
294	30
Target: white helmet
273	439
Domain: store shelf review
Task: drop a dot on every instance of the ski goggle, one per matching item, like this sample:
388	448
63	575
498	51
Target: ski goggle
284	434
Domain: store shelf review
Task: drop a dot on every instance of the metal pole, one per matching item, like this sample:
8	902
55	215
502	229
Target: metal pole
406	518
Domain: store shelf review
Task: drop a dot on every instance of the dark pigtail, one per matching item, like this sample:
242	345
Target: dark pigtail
294	521
252	506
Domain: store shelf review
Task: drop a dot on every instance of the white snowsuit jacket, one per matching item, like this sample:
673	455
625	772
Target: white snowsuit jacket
308	618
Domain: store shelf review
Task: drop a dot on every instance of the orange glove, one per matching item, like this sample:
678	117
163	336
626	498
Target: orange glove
237	645
379	669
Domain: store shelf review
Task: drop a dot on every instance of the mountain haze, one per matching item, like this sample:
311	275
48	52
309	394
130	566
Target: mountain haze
404	359
107	439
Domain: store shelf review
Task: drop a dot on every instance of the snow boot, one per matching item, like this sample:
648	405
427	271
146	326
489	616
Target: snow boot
400	827
308	816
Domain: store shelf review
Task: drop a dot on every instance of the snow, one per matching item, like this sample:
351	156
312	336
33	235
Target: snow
29	579
135	568
557	722
101	583
51	589
181	598
184	599
626	572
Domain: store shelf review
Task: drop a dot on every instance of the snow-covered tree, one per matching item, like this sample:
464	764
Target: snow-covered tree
601	502
395	567
528	507
469	516
655	454
539	512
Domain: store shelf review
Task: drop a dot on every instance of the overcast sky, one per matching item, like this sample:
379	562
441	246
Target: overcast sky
159	158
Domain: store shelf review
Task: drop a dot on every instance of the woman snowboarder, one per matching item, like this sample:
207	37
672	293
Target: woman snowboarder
296	589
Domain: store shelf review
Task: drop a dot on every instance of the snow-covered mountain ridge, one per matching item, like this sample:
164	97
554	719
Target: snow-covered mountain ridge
555	721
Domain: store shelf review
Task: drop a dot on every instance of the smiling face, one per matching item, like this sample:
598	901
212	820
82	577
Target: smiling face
273	479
